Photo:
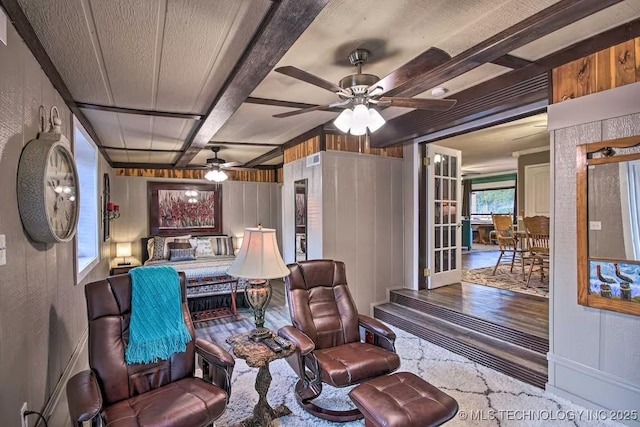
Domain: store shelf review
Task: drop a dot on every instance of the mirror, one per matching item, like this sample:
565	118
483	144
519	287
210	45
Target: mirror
300	215
608	214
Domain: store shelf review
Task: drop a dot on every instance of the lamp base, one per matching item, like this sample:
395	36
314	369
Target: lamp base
260	334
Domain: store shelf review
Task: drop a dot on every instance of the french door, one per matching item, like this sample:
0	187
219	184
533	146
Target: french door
443	224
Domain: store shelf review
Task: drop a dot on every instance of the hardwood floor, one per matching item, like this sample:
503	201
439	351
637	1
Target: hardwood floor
471	260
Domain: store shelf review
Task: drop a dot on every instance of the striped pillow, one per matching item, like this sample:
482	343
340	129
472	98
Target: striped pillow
222	245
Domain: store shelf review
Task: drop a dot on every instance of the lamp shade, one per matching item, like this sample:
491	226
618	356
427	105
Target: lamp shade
216	176
259	256
123	249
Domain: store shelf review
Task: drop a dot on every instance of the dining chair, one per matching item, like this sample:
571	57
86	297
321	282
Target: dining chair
537	228
508	242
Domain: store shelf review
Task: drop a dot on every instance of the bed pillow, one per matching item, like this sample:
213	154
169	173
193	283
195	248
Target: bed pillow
203	248
222	245
160	246
179	245
182	254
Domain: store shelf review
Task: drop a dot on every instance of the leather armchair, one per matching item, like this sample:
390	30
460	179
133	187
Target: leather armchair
335	345
164	393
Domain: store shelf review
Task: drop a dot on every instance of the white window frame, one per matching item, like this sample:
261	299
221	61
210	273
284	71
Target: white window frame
85	264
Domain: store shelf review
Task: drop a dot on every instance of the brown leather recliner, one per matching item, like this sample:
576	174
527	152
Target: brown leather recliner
335	345
165	393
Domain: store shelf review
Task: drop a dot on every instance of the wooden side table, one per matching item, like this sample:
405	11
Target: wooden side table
122	269
258	355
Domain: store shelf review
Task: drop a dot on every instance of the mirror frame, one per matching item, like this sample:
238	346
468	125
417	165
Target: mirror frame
300	228
593	154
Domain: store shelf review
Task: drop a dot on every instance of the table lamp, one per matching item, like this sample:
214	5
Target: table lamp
123	249
259	260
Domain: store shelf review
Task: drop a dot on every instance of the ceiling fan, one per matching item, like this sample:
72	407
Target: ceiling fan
217	167
359	92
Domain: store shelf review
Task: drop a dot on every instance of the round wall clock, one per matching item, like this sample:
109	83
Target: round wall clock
48	198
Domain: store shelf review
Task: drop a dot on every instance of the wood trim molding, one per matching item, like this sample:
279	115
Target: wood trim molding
256	175
25	30
152	113
285	21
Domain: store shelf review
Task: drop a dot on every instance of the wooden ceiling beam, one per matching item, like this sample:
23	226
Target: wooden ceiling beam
511	61
25	30
152	113
284	22
248	144
419	123
557	16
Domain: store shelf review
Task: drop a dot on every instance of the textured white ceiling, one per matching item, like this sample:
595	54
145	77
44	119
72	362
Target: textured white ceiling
174	55
491	150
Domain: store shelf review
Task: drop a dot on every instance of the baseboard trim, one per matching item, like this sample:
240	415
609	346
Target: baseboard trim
68	372
594	373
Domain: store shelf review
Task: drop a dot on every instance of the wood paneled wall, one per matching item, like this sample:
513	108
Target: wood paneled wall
258	175
337	142
609	68
302	149
358	144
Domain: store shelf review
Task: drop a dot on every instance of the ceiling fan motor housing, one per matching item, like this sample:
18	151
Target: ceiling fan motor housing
356	82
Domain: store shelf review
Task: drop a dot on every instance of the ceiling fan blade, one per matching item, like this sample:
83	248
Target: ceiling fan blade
427	60
421	103
301	111
230	164
297	73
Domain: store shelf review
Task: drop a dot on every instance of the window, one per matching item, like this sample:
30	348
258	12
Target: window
495	200
86	157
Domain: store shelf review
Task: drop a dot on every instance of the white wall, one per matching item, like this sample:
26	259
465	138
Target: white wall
355	215
594	356
244	204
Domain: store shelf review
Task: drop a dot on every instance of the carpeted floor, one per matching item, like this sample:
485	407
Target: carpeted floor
507	280
492	398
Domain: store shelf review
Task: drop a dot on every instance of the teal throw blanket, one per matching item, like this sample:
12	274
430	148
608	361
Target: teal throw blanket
156	329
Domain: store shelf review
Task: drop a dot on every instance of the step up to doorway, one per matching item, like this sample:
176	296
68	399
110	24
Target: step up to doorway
485	344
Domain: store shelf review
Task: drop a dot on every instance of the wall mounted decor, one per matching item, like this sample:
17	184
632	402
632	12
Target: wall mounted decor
608	224
184	208
48	192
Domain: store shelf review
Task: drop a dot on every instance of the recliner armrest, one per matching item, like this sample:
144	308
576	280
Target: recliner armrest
376	326
301	341
84	397
214	354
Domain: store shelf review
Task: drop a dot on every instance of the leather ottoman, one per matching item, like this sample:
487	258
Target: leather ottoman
402	399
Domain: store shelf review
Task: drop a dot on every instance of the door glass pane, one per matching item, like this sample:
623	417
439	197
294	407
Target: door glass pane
437	160
445	189
445	213
437	261
445	165
453	235
445	237
438	233
445	260
454	188
453	259
454	213
454	166
438	213
438	193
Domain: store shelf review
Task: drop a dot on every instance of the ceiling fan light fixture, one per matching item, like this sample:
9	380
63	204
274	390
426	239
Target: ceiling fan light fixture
360	120
216	176
375	120
343	121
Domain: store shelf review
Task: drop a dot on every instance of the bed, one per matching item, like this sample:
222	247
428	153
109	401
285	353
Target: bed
211	292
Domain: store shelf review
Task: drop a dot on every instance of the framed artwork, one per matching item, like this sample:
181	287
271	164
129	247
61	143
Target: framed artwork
179	208
106	198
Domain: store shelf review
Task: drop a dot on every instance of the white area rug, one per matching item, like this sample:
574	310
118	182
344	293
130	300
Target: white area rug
494	398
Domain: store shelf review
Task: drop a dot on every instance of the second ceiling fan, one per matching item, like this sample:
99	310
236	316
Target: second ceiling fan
360	92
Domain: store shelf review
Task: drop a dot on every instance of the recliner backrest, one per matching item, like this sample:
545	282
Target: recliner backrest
108	311
320	303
